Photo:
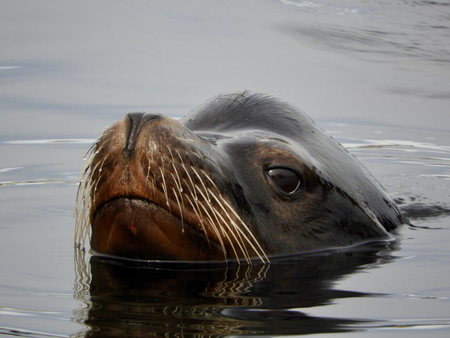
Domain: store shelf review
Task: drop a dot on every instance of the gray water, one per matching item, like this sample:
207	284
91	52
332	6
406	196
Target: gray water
375	74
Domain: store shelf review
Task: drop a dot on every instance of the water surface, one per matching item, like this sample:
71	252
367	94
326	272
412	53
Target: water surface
375	74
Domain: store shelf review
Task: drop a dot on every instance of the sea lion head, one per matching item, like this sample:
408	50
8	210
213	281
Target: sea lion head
245	176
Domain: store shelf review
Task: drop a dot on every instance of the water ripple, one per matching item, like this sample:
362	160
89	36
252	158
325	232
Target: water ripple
50	141
40	182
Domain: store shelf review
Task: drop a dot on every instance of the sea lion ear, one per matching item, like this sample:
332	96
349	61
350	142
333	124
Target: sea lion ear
286	180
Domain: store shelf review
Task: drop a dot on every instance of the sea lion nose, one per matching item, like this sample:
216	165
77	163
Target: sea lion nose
137	121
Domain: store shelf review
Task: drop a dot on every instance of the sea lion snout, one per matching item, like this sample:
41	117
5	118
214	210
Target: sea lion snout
155	190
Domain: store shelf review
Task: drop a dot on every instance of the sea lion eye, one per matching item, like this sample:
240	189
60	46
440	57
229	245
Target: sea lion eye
285	179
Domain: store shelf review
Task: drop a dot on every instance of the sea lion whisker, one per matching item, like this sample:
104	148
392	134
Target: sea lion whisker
181	210
84	175
81	206
194	196
237	237
200	206
99	176
261	256
177	180
218	168
197	209
81	228
216	231
164	187
240	237
239	232
188	175
81	192
201	225
84	202
148	171
154	181
223	208
91	169
203	184
170	151
95	149
178	184
180	192
173	164
90	151
211	207
193	190
177	175
217	215
153	147
149	158
211	181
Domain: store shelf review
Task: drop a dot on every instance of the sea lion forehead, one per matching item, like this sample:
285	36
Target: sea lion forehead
248	110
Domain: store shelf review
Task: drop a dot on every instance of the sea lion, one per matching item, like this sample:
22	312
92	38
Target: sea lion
244	176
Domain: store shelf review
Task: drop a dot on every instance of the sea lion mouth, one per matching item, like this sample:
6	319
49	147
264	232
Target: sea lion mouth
141	229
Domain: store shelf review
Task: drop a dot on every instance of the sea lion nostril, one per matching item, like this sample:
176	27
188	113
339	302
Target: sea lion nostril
137	121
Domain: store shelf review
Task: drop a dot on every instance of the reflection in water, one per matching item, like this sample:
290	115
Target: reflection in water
126	298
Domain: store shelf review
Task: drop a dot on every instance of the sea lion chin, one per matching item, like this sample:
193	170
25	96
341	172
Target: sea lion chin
245	176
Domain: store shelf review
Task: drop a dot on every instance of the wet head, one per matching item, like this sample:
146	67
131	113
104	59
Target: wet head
245	176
